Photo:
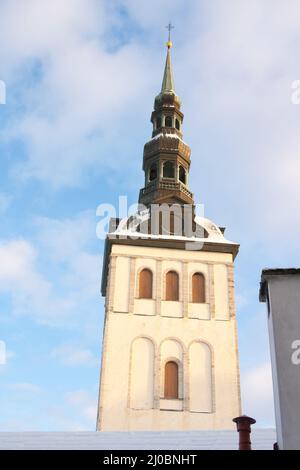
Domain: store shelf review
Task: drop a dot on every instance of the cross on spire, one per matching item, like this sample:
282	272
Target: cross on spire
169	28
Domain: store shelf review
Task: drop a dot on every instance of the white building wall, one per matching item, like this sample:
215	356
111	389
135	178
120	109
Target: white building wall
121	297
221	291
200	377
284	332
205	347
141	391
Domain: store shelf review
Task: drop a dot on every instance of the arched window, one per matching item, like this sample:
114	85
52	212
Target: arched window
168	171
182	175
198	288
171	380
172	286
168	121
177	124
158	123
145	284
153	172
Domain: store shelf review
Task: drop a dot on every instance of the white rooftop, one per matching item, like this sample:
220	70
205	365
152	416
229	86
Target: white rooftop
213	231
262	439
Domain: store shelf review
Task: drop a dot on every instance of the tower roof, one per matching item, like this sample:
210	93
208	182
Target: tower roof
168	80
166	161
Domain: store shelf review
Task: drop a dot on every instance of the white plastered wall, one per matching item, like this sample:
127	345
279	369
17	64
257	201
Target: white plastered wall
137	342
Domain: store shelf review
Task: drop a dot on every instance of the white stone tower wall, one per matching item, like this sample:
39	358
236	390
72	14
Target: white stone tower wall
142	334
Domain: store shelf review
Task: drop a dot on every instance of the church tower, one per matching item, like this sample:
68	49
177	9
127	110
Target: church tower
170	354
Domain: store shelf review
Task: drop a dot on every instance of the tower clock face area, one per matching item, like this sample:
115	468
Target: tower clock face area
170	356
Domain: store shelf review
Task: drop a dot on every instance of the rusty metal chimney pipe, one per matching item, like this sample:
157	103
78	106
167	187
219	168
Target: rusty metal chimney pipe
243	425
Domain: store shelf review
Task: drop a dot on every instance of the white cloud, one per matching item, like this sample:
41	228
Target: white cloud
41	24
16	260
25	387
85	402
243	64
80	94
69	242
153	15
64	238
74	356
234	63
56	299
31	293
257	394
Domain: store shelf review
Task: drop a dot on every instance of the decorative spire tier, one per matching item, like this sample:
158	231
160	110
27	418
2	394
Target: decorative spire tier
166	161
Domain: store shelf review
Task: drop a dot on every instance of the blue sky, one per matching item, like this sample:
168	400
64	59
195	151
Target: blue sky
81	77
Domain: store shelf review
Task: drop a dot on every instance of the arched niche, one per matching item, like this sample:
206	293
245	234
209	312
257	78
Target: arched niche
141	391
200	377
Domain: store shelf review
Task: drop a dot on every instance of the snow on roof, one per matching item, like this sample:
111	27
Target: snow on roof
262	439
169	135
214	233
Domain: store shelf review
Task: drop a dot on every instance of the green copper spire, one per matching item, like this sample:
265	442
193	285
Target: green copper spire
168	80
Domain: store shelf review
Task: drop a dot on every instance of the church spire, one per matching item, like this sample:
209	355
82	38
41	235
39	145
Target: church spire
166	161
168	80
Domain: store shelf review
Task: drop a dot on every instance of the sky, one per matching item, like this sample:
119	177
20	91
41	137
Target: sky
81	77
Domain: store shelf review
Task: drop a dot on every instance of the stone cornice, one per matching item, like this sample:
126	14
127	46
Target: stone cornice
176	244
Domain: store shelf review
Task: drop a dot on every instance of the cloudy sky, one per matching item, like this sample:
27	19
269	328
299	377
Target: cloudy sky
81	76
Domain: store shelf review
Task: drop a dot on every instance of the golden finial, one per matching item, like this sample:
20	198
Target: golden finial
169	43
